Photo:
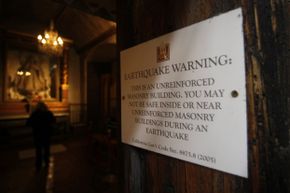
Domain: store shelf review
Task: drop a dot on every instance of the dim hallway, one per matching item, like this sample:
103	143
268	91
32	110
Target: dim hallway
78	164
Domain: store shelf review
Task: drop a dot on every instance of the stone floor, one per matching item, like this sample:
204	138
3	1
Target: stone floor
83	167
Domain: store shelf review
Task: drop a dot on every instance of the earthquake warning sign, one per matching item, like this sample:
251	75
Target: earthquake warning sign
183	94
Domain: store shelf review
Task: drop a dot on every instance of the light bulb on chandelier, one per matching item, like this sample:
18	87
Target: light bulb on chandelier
50	42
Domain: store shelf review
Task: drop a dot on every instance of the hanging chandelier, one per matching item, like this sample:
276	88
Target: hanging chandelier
50	42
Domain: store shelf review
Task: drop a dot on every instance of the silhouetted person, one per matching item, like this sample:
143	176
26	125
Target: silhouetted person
41	120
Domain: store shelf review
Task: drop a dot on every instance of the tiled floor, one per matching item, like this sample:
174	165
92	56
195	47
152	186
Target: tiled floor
82	168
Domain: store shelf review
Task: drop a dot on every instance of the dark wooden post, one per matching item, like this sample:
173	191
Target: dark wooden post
267	60
64	76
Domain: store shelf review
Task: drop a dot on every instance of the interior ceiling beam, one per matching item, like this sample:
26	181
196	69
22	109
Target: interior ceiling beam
59	14
91	8
110	32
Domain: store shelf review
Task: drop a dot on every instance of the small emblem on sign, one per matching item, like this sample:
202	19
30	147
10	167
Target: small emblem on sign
163	52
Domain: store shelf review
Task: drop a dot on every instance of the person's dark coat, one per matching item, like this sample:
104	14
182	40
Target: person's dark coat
42	125
41	121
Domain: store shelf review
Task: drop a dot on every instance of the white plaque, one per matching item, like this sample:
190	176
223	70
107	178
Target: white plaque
184	96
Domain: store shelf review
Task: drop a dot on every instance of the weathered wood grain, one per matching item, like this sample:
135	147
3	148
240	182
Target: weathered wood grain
267	59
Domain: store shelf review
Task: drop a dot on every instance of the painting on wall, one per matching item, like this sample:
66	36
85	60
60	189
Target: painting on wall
31	75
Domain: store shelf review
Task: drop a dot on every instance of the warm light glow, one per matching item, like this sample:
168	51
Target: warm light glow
60	40
43	41
46	35
27	73
20	73
39	37
50	42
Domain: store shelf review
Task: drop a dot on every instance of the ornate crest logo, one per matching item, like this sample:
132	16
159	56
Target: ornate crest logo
163	52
